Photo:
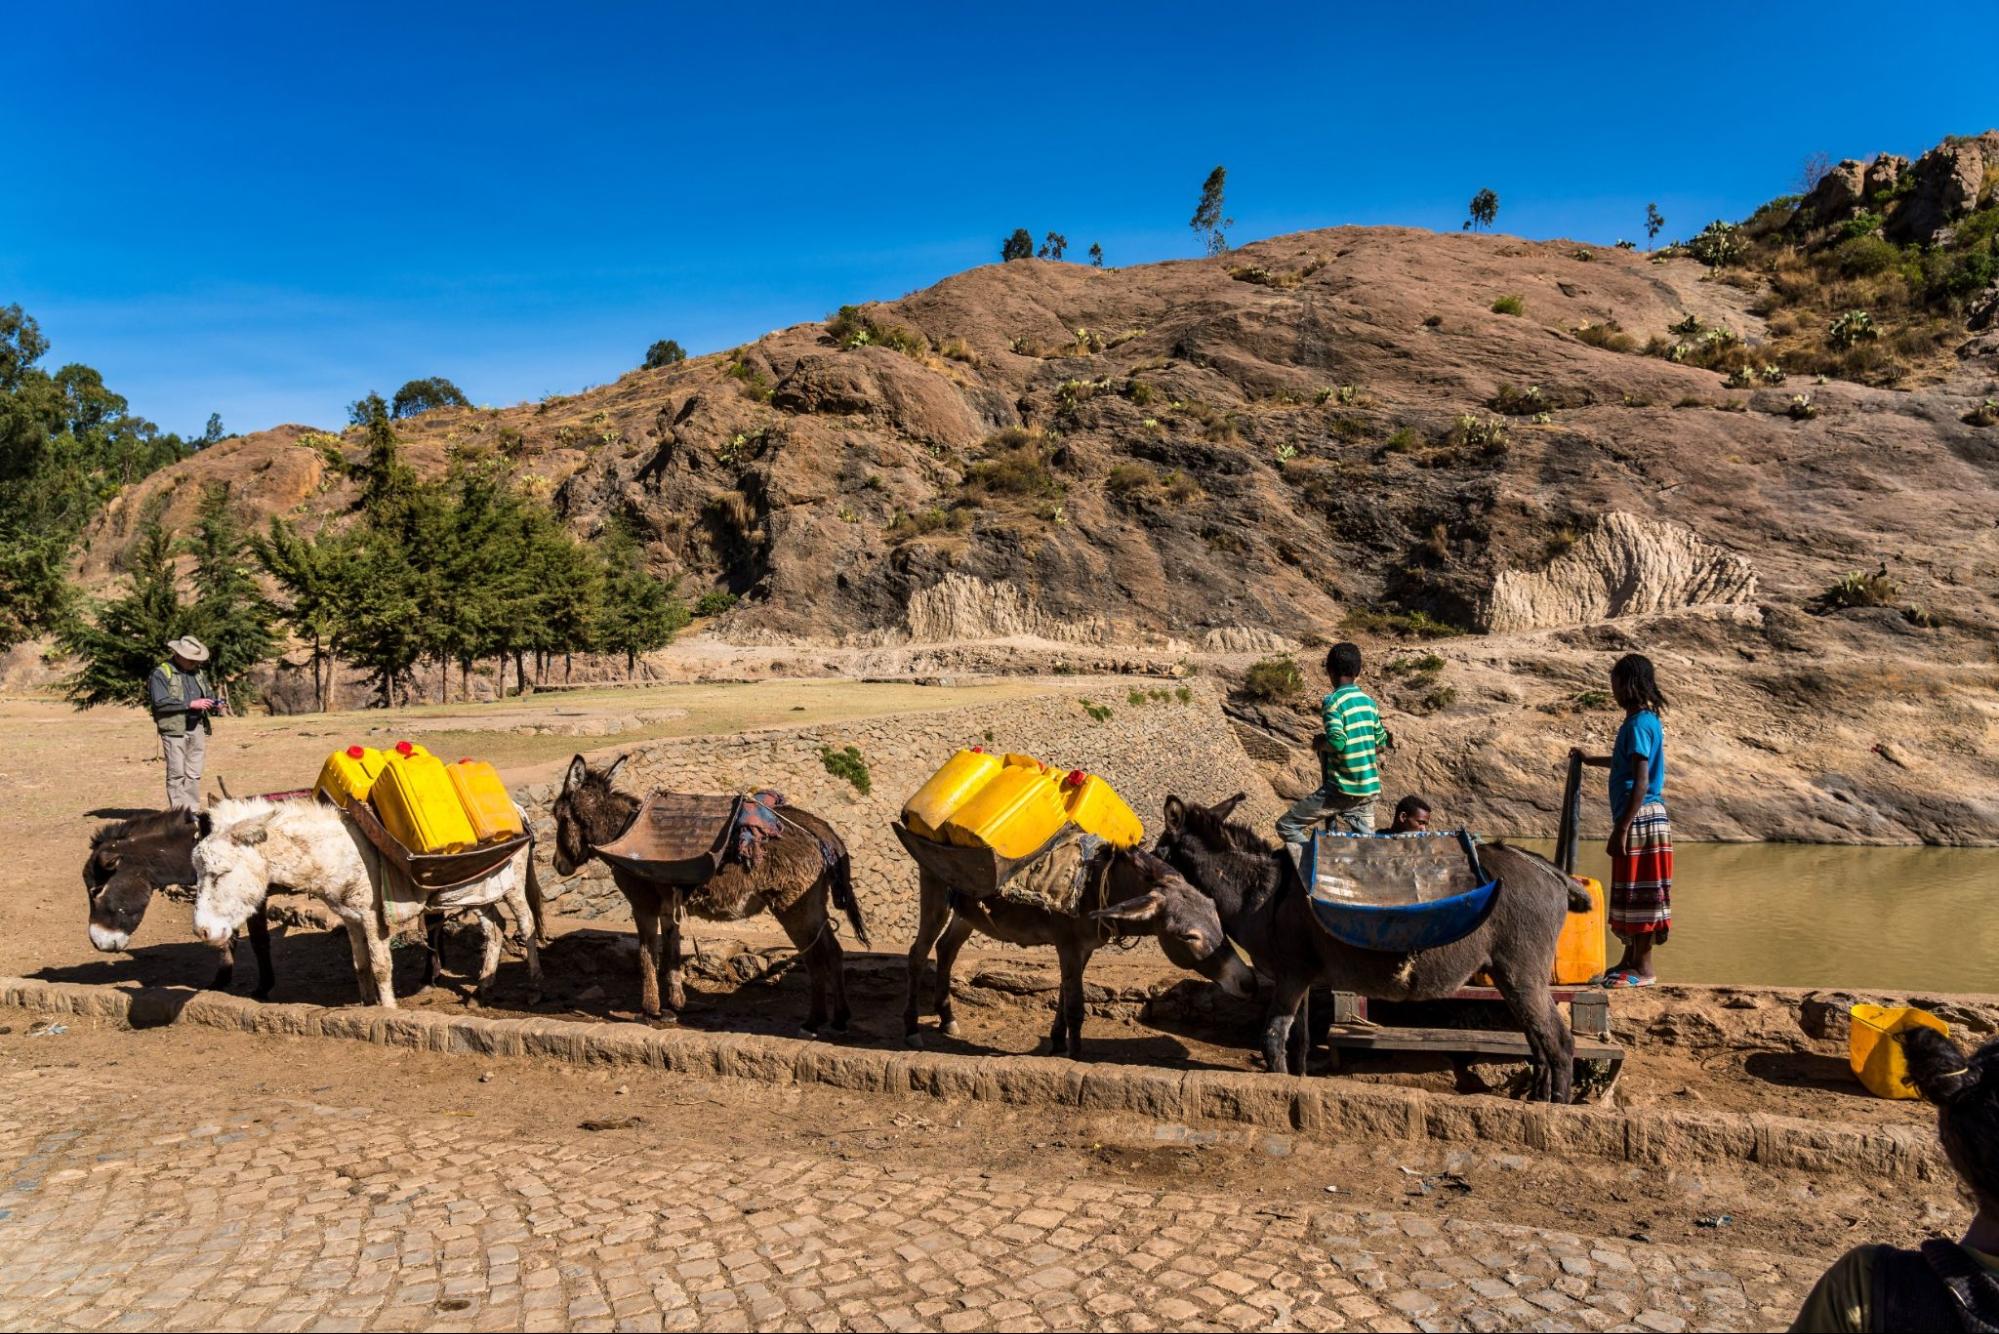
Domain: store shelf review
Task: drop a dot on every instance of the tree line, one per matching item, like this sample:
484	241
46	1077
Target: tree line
428	576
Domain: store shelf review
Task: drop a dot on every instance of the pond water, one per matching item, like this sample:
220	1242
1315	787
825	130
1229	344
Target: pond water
1817	915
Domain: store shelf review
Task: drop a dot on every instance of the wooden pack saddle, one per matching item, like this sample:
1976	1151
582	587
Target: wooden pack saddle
677	838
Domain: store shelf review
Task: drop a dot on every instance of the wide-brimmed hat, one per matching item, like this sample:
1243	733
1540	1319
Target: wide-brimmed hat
190	648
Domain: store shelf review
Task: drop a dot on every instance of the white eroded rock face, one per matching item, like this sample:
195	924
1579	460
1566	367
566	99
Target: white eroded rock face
959	606
1625	566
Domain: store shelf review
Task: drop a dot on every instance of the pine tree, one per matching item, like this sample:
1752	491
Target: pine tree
1208	222
385	476
229	615
309	576
121	644
640	613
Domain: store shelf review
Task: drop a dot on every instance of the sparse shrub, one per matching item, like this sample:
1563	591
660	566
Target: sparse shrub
1136	698
1185	694
1802	408
1180	488
1985	414
1099	712
957	349
753	381
714	602
1858	589
921	523
1126	481
1510	304
851	327
1850	327
1263	277
1519	402
1140	392
1485	434
1273	679
1422	666
1443	697
1411	624
1401	440
1865	256
1771	374
1862	224
1285	453
1016	465
1593	699
1687	326
1718	245
1740	378
1608	335
848	763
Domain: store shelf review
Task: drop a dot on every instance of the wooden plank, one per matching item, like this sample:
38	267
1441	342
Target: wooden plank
1483	1042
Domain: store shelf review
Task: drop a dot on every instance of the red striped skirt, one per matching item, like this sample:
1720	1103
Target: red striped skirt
1641	877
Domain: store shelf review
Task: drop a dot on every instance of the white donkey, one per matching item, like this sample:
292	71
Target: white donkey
312	848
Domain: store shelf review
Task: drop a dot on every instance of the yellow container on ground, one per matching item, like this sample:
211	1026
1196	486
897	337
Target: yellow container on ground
1015	813
350	773
418	804
489	807
1876	1057
1097	809
1579	950
1025	761
948	789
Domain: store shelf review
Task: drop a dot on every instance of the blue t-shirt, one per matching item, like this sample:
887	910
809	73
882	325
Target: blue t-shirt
1641	737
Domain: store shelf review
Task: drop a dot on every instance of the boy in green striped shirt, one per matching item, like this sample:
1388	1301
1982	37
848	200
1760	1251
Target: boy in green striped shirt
1350	757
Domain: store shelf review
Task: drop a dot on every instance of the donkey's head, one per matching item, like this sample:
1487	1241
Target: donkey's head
127	862
1149	898
588	812
232	876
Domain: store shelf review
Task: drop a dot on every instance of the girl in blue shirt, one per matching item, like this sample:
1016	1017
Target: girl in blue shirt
1641	836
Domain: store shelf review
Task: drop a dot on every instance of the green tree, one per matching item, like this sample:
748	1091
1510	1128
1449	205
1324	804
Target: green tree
1654	221
120	644
1018	246
385	477
639	613
309	574
229	614
1053	246
1096	255
666	352
427	395
1208	221
212	434
1484	207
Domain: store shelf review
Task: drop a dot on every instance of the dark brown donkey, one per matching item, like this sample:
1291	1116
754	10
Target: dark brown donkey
1143	897
132	858
802	869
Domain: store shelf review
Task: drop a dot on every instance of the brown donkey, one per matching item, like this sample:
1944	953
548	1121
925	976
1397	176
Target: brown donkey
801	871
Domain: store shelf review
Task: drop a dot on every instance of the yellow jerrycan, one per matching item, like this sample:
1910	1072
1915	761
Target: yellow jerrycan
418	804
956	783
1014	814
489	807
350	773
1877	1059
1579	954
1097	809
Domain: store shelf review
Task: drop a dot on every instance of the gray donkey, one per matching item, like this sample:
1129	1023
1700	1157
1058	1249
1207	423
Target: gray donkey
1263	904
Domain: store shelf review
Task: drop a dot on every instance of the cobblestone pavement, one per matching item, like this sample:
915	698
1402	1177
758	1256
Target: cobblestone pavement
290	1215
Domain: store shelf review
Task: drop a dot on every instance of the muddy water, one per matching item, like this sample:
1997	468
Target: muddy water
1811	915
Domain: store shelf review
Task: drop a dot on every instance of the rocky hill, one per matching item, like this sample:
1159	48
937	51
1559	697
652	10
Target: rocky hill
1377	431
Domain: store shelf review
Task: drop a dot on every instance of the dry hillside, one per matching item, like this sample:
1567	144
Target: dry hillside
1329	433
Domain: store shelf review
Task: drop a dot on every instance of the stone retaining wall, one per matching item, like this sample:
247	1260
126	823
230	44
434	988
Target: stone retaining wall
1321	1108
1146	751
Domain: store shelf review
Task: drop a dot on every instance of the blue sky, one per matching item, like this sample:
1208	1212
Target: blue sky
267	210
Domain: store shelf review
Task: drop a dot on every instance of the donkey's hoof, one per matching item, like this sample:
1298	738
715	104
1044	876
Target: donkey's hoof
949	1030
914	1040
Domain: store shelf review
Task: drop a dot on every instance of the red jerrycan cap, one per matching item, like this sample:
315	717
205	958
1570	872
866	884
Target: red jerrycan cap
1075	779
978	750
405	749
356	752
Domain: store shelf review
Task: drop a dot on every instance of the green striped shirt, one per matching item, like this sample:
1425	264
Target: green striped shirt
1353	742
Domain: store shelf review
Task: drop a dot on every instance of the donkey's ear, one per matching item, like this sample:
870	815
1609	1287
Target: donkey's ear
203	825
252	836
1176	814
1227	808
611	774
1141	911
578	771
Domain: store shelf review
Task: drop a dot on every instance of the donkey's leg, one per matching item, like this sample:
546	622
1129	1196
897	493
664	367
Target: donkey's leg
225	965
382	964
1075	957
804	923
1548	1034
933	910
953	940
260	945
522	912
1301	1036
364	972
1279	1020
646	916
491	931
669	922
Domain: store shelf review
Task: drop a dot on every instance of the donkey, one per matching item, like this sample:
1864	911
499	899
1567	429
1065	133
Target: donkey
1143	897
1259	897
795	880
255	844
130	859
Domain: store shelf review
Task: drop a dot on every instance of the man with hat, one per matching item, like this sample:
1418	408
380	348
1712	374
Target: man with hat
183	702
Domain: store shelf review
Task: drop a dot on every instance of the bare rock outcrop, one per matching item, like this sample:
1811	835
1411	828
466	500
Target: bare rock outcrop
960	606
1625	566
1838	192
1948	181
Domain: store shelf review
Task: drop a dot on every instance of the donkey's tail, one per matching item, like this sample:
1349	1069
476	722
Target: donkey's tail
844	897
